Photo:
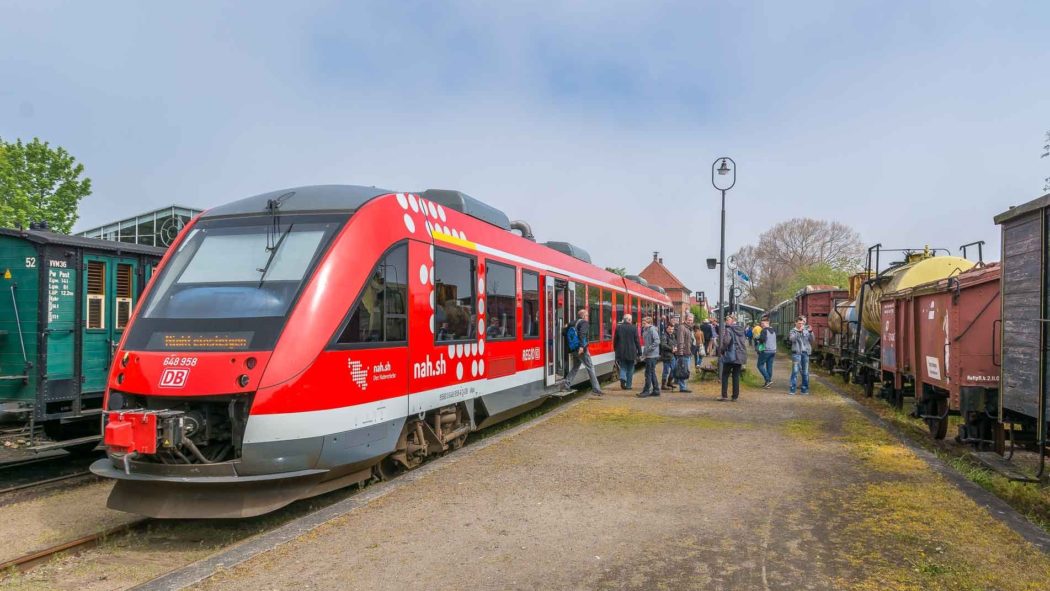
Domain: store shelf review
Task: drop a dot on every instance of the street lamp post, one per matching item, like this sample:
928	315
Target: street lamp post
722	167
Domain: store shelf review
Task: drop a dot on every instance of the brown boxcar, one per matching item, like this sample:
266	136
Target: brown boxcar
939	345
816	303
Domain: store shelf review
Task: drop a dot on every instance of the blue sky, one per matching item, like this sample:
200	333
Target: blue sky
914	122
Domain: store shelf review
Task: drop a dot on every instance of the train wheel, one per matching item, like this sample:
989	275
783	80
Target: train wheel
939	426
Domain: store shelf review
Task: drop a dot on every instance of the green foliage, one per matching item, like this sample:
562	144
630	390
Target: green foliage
40	183
621	271
817	274
699	312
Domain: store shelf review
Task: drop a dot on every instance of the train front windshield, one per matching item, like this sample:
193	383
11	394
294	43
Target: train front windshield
230	284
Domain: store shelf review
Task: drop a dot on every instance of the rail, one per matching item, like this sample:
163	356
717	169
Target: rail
27	561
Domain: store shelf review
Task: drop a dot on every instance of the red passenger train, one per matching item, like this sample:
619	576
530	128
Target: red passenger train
302	340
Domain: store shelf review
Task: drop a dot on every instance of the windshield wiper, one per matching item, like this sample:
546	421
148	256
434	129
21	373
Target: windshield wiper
273	253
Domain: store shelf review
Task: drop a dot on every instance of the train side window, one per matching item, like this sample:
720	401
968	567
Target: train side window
455	287
581	300
593	305
607	308
96	294
124	282
500	298
381	312
530	304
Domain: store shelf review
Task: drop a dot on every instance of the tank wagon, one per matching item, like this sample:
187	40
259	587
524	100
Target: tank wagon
938	345
302	340
66	302
858	341
1024	408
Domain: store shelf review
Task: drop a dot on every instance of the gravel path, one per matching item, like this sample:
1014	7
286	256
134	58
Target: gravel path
678	492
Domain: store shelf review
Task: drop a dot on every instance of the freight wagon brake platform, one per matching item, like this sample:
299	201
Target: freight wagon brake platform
677	492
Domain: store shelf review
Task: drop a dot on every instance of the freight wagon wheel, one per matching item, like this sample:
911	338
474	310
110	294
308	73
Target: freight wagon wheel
939	426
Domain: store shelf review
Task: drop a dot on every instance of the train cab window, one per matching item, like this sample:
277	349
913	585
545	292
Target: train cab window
606	315
380	314
530	305
500	299
96	295
594	306
455	285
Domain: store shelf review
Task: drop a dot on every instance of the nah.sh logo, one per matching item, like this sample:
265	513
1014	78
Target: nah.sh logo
174	378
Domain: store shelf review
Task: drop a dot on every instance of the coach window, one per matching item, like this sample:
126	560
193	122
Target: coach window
638	311
618	306
594	306
455	285
530	305
606	315
380	315
500	296
581	300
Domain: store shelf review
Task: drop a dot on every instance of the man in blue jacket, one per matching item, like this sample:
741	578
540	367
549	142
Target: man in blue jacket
582	357
801	339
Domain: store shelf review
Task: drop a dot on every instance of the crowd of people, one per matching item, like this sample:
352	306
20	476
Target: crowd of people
677	342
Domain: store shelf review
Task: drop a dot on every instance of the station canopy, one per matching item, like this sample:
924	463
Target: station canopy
154	228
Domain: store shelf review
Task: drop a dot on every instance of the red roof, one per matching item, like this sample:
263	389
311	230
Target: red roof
657	274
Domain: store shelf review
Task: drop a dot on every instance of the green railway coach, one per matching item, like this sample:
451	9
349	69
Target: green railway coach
64	304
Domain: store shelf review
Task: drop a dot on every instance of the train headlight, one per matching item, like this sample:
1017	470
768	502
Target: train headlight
124	359
250	363
243	380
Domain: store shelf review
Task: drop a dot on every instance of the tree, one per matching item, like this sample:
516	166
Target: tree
699	312
1046	152
798	250
621	271
40	183
818	274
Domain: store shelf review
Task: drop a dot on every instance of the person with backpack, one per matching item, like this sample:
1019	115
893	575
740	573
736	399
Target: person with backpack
732	348
650	353
683	336
801	339
667	351
576	339
766	345
627	349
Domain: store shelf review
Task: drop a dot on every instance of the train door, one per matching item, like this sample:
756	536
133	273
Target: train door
108	289
559	307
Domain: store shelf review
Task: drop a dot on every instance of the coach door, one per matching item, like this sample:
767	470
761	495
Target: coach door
558	307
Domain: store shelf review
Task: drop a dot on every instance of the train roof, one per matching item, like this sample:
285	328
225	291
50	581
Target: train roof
819	289
349	198
301	199
1020	210
47	237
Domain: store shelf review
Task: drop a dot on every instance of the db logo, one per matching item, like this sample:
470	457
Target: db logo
174	378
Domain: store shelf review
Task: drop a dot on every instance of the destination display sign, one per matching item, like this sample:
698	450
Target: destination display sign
61	299
200	341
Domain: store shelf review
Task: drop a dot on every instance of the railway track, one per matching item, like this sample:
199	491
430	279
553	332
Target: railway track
31	473
28	561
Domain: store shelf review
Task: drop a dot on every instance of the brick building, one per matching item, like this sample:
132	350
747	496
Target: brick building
657	274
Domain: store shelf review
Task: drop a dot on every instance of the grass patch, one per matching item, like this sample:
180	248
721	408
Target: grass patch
927	535
805	429
621	416
878	449
1030	500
